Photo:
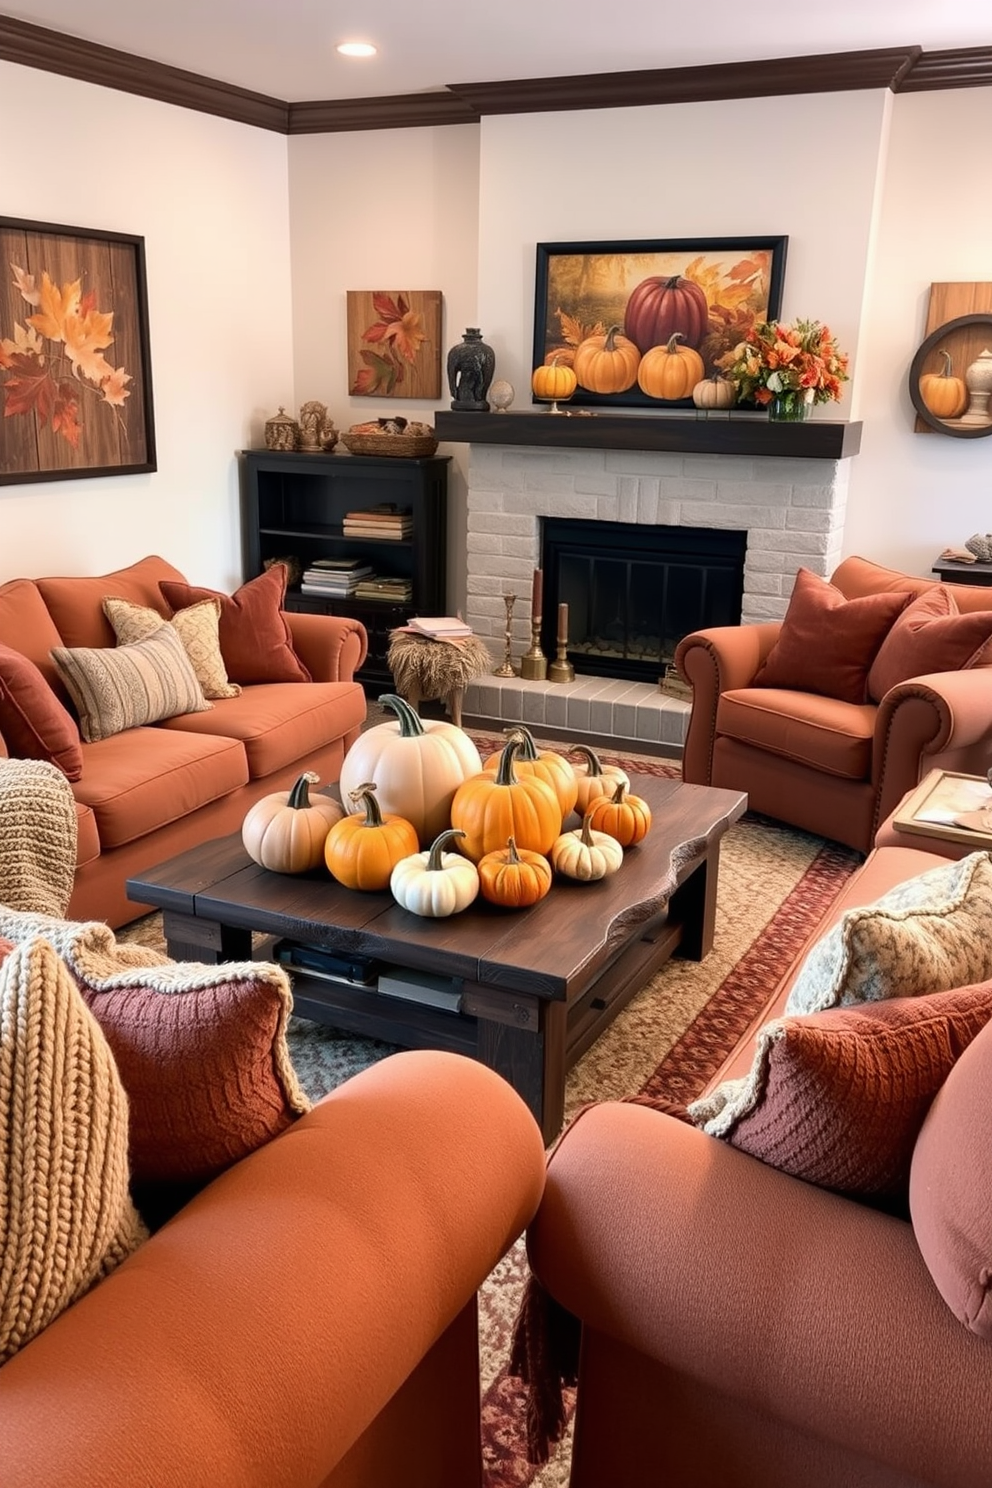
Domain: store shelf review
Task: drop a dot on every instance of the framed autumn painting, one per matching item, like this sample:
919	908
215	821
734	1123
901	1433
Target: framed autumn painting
394	343
636	296
75	373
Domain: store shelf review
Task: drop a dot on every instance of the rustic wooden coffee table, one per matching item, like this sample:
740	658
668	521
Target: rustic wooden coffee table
533	988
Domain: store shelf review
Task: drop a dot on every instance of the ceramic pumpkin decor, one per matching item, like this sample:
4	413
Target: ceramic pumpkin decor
514	877
435	883
945	395
586	855
489	809
416	766
554	380
671	371
622	815
362	851
546	764
717	391
594	779
285	832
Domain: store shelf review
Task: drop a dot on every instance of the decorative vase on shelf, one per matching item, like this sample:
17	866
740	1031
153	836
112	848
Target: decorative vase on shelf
978	381
788	408
471	365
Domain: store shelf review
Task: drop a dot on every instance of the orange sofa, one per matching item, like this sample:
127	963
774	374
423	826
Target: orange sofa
831	767
741	1328
151	792
309	1319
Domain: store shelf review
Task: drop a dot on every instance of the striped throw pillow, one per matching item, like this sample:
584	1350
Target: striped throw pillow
127	686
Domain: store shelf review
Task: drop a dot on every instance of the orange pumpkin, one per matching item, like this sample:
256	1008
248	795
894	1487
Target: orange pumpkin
622	816
554	380
489	809
595	779
607	364
946	396
553	768
362	851
670	371
514	878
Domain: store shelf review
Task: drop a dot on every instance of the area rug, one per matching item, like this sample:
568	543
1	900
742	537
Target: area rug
774	884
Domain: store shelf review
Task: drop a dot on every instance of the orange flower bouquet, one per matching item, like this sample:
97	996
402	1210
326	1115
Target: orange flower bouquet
788	368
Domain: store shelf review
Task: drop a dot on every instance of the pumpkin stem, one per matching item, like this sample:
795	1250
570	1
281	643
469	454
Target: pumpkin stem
410	725
610	343
506	775
299	796
373	812
585	836
672	347
434	864
512	856
617	796
528	749
591	758
947	369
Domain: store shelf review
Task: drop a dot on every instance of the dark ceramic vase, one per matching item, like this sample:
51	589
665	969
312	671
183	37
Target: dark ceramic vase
471	365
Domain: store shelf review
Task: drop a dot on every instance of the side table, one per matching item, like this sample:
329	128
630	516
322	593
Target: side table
924	818
951	572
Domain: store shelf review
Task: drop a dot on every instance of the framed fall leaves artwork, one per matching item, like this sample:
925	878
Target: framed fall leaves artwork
75	375
394	343
633	297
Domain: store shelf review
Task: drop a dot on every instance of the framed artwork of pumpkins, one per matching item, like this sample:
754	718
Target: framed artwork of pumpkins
640	323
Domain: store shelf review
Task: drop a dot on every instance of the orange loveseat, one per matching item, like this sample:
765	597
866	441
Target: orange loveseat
148	793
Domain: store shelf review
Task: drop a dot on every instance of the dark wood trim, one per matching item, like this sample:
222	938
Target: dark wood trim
740	434
52	51
902	69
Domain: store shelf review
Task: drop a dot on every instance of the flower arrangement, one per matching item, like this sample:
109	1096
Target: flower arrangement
794	365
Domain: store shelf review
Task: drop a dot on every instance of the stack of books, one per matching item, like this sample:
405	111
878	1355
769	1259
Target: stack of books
334	576
384	521
439	627
390	591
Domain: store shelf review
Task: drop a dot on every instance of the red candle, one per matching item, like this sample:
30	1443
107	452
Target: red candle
563	624
537	594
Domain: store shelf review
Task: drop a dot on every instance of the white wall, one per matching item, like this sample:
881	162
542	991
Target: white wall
210	198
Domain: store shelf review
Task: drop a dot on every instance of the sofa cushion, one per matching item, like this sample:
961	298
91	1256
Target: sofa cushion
827	643
838	1098
201	1050
76	604
931	635
27	627
198	628
821	732
115	690
66	1217
33	722
255	639
950	1189
926	935
137	782
279	724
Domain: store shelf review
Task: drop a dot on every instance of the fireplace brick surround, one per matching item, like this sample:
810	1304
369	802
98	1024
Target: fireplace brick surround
792	510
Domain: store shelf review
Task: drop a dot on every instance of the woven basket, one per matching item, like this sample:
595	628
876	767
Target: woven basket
409	446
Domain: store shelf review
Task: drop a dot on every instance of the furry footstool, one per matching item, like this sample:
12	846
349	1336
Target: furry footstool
423	668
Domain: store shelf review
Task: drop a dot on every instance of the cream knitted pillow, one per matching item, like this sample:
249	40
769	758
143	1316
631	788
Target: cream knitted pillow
66	1217
198	627
120	689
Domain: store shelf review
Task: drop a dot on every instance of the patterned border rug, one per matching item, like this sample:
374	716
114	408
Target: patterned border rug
775	882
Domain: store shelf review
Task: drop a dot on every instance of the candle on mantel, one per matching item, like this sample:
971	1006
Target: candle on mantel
563	625
537	595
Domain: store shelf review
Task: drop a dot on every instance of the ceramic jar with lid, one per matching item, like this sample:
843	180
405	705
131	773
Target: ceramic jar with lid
282	432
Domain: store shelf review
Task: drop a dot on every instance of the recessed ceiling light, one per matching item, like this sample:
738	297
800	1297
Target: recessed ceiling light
357	49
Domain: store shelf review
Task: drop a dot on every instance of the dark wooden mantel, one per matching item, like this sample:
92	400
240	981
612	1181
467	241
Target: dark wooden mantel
676	433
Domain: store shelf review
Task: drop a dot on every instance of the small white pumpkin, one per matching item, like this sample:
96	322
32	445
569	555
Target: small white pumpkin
435	883
594	778
285	832
586	855
416	767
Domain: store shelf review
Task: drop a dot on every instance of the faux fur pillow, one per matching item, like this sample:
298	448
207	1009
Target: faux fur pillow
198	628
114	690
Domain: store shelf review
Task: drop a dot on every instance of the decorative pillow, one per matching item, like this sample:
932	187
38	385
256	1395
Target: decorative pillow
827	643
33	722
950	1187
198	628
201	1050
927	935
931	635
66	1217
114	690
255	639
838	1098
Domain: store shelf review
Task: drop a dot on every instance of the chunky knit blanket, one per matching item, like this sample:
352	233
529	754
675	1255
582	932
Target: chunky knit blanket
38	831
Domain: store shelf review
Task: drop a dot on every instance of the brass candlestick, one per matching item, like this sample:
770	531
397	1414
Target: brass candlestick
505	669
534	663
561	669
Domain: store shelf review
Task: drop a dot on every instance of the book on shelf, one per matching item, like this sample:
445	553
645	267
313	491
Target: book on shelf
439	627
335	564
382	513
394	590
381	534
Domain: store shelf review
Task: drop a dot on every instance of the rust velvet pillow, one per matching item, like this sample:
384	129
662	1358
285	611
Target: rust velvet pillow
827	643
255	640
33	722
931	635
838	1097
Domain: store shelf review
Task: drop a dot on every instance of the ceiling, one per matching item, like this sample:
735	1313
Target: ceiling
285	48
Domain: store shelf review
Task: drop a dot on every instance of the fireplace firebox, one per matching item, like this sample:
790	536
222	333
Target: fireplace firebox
633	591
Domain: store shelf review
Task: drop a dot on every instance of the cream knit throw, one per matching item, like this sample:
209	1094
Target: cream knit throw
38	830
66	1217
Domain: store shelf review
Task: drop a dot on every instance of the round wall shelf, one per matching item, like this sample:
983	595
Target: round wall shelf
965	337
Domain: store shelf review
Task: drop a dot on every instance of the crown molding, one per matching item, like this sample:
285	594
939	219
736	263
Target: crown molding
901	69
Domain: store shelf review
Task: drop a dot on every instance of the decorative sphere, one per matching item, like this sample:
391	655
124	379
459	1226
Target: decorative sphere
501	394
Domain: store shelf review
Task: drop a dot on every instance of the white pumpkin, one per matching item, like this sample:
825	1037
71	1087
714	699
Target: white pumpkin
416	766
586	855
594	778
435	883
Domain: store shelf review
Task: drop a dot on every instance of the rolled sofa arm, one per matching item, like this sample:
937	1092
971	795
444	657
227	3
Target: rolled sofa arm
713	661
805	1307
331	647
254	1338
941	720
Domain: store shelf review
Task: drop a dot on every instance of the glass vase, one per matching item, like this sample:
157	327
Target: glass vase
790	408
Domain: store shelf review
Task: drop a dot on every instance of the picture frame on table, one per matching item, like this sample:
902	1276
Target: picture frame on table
724	286
75	359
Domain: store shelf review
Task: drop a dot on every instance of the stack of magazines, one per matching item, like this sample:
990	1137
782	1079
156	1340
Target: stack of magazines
334	576
385	522
390	591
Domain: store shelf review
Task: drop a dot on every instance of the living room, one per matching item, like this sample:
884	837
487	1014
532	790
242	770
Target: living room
252	239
